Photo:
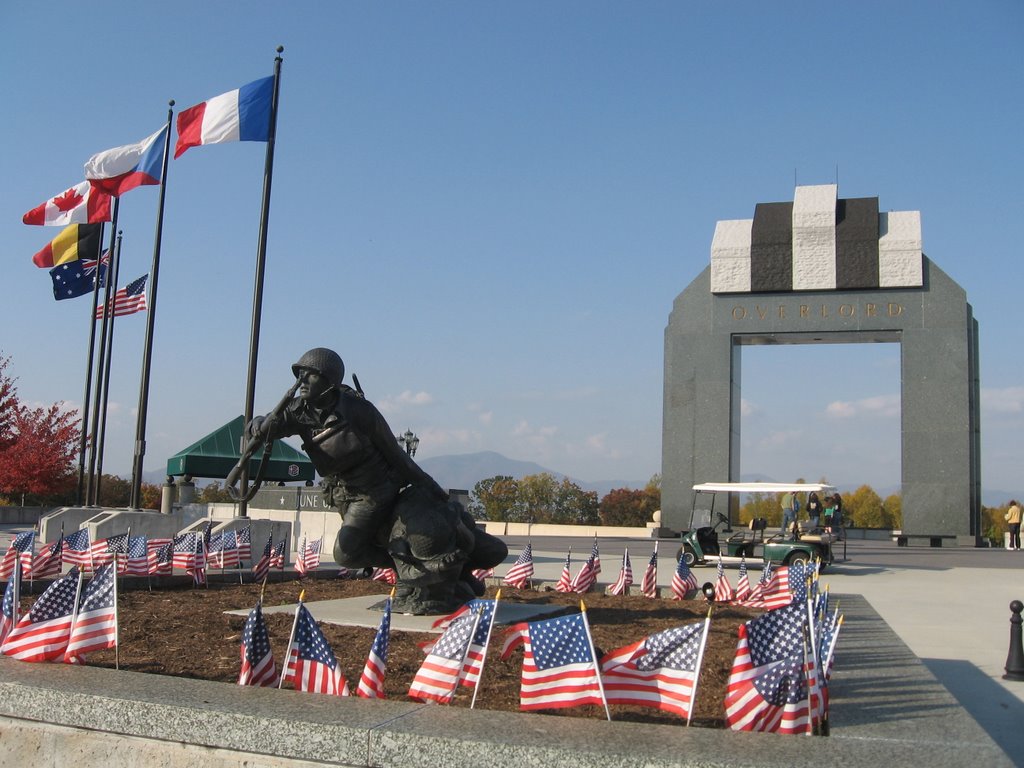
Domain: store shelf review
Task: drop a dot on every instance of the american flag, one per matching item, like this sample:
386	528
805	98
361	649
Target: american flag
827	642
683	579
625	579
49	560
277	556
723	589
475	654
311	554
438	676
136	562
559	669
77	550
127	300
587	576
776	592
161	559
224	550
184	549
104	549
754	599
311	664
42	633
799	573
244	537
262	566
521	571
649	584
483	573
659	671
767	688
20	549
387	575
742	583
95	624
371	681
565	580
300	560
258	666
10	605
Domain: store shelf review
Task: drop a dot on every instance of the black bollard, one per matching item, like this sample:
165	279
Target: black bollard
1015	658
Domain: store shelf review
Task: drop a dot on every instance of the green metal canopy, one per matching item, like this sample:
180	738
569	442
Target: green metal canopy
217	454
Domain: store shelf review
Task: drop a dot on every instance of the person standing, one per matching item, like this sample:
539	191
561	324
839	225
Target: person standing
1013	518
789	507
814	509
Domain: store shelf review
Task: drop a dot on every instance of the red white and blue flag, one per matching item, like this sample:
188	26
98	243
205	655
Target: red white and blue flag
42	634
438	677
161	559
20	550
521	571
625	579
118	170
476	653
127	300
768	685
587	576
559	668
565	579
742	583
80	204
136	561
258	666
723	589
311	664
649	584
659	671
77	550
94	627
683	580
387	575
371	681
239	115
11	602
262	566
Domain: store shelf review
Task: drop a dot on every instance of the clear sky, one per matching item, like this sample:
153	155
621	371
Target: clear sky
488	208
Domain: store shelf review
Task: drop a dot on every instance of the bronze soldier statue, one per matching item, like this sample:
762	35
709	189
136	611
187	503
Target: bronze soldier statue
394	515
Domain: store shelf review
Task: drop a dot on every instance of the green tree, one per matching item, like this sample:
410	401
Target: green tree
496	499
213	493
574	505
537	495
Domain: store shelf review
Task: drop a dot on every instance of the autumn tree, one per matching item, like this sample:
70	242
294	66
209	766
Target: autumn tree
8	406
537	496
39	462
213	493
574	505
496	499
764	505
892	509
863	509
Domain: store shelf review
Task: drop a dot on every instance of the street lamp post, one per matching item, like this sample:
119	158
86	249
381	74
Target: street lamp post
410	441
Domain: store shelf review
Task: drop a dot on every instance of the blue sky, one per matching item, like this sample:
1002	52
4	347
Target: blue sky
488	209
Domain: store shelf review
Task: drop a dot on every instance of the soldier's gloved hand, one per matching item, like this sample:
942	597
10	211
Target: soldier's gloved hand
260	426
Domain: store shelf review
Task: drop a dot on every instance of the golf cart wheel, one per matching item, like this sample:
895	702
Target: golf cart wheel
797	557
688	555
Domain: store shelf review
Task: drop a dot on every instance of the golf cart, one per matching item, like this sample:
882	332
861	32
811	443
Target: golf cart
703	543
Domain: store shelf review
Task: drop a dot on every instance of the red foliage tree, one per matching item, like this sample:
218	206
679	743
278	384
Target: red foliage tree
38	446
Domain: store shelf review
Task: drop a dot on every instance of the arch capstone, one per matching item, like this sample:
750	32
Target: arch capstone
823	270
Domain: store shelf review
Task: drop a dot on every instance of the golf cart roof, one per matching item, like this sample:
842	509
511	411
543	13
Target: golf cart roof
763	488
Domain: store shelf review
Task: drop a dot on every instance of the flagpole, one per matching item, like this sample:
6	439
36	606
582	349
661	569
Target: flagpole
102	364
597	665
147	356
487	645
80	499
700	661
113	270
257	293
291	639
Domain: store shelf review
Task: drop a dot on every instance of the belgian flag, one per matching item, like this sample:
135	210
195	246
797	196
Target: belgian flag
78	241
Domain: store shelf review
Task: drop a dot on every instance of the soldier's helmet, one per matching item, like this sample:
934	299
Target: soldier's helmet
324	361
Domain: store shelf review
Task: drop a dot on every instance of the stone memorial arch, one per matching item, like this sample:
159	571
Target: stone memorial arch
824	270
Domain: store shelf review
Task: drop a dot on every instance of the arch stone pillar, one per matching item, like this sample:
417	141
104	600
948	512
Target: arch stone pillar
930	318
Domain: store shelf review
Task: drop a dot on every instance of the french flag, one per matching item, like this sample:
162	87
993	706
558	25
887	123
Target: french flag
124	168
239	115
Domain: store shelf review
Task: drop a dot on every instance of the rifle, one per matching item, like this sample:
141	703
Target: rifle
251	447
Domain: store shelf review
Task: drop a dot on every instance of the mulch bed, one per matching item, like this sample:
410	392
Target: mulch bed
183	631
